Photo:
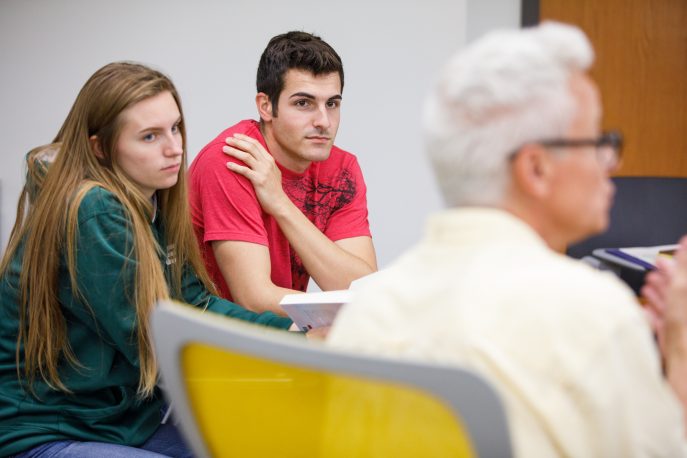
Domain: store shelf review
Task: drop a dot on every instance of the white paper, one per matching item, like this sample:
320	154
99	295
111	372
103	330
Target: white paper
315	310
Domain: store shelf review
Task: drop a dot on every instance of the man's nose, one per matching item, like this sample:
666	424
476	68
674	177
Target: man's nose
322	118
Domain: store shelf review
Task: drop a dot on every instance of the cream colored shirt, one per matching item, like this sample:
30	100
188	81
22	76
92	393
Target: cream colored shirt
566	346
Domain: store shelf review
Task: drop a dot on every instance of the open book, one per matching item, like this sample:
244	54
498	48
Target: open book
315	310
638	257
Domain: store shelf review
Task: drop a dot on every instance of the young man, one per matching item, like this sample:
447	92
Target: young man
274	202
513	132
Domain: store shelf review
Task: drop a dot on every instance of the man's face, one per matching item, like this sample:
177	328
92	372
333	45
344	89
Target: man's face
307	119
581	192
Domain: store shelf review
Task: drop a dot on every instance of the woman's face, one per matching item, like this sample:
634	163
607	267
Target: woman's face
150	146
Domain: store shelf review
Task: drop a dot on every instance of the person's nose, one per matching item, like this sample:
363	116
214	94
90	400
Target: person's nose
322	120
174	145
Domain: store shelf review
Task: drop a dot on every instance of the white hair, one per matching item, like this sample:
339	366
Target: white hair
504	90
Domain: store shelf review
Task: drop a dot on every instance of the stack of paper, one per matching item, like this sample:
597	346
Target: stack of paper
315	310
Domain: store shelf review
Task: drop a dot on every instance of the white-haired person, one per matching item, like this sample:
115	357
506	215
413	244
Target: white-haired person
102	232
513	132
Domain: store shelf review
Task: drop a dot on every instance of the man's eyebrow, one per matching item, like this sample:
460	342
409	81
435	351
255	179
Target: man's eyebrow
302	94
310	96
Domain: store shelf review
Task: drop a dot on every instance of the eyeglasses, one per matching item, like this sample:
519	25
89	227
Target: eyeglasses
608	146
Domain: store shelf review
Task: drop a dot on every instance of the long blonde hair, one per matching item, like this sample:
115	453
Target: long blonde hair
47	220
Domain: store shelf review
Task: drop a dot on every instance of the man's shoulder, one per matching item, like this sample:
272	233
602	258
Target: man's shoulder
212	151
340	155
579	290
338	161
573	271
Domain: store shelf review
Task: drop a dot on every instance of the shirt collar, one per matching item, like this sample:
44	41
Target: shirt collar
480	224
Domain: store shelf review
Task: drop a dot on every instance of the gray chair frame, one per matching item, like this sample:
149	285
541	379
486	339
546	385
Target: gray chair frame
174	326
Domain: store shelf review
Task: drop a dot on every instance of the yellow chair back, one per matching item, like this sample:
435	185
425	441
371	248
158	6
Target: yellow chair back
240	390
251	407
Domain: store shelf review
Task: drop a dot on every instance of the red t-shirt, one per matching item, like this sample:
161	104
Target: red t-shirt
331	193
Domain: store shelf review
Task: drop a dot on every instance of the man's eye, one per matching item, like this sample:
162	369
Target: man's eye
333	103
302	103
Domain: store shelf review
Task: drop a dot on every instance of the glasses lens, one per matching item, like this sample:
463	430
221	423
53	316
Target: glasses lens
608	157
614	139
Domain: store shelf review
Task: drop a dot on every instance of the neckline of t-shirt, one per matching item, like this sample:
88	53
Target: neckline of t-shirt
289	174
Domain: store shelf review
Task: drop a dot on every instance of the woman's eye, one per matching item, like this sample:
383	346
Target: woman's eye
149	137
175	129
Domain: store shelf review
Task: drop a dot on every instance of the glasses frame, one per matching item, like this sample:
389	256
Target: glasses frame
608	140
611	139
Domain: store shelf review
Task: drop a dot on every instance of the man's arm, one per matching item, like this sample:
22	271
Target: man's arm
246	267
333	265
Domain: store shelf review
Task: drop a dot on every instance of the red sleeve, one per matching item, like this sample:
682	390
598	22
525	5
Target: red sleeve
351	219
224	203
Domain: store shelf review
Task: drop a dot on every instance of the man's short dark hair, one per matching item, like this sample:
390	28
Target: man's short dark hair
299	50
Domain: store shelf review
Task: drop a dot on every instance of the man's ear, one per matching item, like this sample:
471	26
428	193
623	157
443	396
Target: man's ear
97	148
264	106
533	170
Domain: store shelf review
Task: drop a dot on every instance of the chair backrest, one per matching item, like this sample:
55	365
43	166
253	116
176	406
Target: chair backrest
240	390
647	211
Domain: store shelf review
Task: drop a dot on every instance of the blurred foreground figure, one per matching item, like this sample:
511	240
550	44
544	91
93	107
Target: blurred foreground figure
513	132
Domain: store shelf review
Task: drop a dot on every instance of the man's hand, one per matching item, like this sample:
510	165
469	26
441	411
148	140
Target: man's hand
674	298
260	169
318	333
666	291
654	292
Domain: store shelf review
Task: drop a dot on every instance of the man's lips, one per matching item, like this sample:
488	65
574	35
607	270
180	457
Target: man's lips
317	138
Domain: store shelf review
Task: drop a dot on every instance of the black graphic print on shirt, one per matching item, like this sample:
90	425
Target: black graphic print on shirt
318	201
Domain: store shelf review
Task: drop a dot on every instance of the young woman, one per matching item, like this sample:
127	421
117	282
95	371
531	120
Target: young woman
102	232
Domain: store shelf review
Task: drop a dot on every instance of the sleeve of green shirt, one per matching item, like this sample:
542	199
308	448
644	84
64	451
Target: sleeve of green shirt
194	292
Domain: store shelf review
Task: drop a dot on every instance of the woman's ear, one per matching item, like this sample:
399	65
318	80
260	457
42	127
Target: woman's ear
97	148
264	106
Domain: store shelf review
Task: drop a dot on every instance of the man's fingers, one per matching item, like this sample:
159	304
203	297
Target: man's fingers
239	154
258	179
241	170
249	145
654	298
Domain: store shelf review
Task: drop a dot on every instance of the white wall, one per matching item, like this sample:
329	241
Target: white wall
391	51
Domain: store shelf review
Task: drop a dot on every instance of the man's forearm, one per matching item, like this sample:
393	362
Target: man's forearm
247	271
263	298
331	266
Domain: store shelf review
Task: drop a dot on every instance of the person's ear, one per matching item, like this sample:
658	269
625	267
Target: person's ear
533	170
264	106
96	147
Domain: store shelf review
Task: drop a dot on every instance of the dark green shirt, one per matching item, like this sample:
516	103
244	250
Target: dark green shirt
102	334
